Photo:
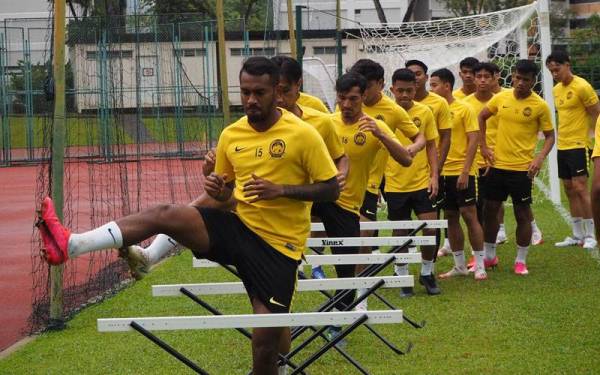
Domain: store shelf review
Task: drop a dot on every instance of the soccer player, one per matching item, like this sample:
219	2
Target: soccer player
458	178
274	164
596	181
381	107
414	189
521	115
363	137
311	101
577	106
441	113
467	76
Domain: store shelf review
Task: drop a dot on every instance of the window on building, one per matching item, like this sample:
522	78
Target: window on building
327	50
190	52
93	55
268	51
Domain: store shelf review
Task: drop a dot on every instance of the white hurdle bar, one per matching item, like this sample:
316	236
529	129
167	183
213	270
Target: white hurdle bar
302	286
339	259
398	224
249	320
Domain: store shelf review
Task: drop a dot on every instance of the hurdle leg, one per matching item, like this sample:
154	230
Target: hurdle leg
169	349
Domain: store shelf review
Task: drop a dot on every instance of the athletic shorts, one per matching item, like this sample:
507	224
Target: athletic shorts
501	183
481	184
266	273
369	206
572	163
401	205
455	198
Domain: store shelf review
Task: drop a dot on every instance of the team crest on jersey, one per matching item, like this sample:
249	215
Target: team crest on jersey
380	117
360	138
277	148
569	95
527	112
417	121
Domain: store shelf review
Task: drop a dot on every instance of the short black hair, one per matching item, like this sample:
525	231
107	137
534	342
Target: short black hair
559	57
487	66
404	75
468	62
417	63
349	80
371	70
288	67
445	76
525	66
260	65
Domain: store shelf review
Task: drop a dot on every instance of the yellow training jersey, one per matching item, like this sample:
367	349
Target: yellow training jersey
596	152
459	93
440	108
490	130
519	122
322	122
361	150
396	118
463	122
399	179
291	152
573	119
313	102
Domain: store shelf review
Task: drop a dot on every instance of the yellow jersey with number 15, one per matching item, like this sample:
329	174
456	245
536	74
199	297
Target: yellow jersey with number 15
291	152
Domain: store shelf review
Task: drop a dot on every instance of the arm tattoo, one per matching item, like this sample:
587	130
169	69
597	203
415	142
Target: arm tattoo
325	191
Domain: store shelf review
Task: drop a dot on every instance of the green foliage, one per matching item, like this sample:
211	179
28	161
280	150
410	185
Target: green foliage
585	50
470	7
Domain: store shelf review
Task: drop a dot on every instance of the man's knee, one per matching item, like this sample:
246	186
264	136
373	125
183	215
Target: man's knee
265	344
522	213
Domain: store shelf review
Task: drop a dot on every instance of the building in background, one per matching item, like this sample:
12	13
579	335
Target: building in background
24	9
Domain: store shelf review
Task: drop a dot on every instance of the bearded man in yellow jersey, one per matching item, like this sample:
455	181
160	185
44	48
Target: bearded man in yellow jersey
363	137
458	177
465	71
274	164
381	107
414	189
577	106
596	181
521	115
441	113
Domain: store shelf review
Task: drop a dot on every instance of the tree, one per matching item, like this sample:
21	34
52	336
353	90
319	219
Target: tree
462	8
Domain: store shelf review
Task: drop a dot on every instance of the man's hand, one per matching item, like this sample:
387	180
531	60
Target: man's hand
535	166
341	180
261	189
412	150
488	155
433	187
214	185
367	124
209	163
463	181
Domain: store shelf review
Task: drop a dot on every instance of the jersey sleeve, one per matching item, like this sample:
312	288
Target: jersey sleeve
587	94
470	120
492	105
223	165
320	106
404	123
545	120
429	129
316	159
332	141
444	120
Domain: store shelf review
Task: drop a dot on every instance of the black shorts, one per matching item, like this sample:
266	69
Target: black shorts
441	196
481	184
369	206
572	163
266	273
401	205
501	183
458	198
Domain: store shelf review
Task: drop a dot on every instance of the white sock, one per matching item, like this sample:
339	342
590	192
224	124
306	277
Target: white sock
459	259
490	250
426	267
401	269
534	226
105	237
577	223
161	245
502	228
588	228
282	370
522	254
479	256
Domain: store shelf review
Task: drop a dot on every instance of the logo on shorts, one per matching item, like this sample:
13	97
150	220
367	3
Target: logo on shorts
525	199
360	138
273	302
417	121
380	117
527	112
277	148
469	200
569	95
580	170
369	212
332	242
